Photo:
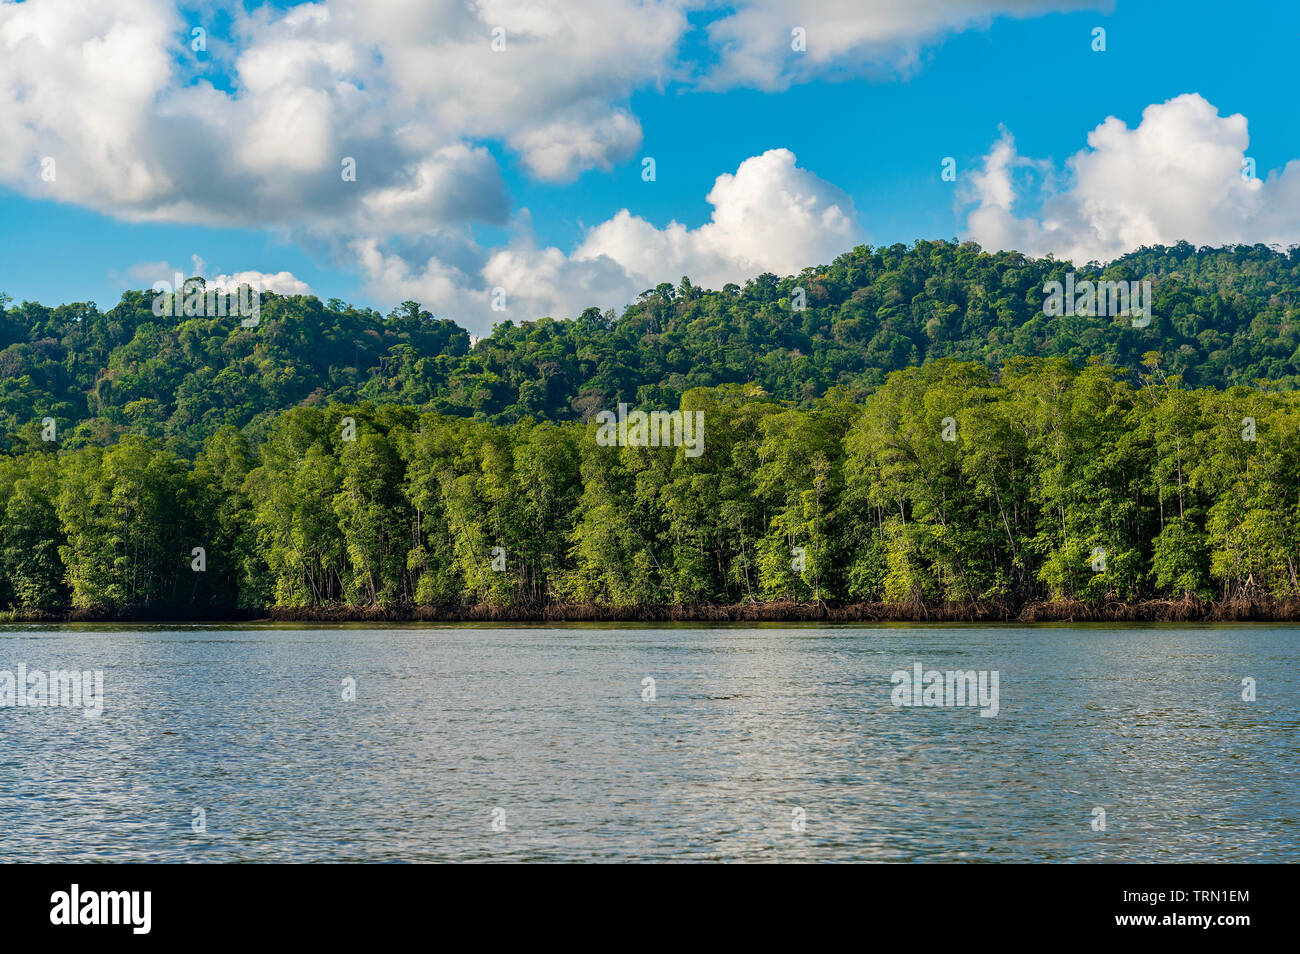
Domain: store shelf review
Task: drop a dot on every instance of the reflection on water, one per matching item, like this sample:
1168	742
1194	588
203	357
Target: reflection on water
747	725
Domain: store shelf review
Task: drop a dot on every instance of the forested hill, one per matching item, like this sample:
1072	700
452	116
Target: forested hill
1220	317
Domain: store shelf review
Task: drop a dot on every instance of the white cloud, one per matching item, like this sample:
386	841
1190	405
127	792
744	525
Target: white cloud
282	283
458	183
558	150
770	215
410	89
391	278
756	45
253	131
145	274
1176	176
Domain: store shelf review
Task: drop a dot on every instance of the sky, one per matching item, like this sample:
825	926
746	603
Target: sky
503	150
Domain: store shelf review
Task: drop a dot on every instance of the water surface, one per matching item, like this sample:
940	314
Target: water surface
546	730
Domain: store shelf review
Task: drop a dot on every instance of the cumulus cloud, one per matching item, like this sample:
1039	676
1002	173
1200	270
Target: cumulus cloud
282	283
768	216
391	277
1177	175
258	129
252	130
408	91
557	150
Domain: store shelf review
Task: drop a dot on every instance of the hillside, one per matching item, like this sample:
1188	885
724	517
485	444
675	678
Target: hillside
1222	317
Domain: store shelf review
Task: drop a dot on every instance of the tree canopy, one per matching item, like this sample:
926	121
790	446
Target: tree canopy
921	432
1222	317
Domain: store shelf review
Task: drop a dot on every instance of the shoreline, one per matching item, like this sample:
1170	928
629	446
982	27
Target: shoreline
1065	611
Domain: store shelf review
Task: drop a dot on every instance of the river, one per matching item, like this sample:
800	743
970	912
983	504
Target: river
633	743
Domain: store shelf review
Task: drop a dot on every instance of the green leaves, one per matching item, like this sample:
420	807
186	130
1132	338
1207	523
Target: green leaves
128	519
1222	317
949	483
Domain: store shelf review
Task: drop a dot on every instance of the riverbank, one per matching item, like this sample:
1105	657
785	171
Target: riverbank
1149	611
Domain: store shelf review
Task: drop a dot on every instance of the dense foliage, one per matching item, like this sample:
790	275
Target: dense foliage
1057	482
1222	317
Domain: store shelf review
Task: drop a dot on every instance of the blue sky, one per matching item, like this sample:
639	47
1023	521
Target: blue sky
870	127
